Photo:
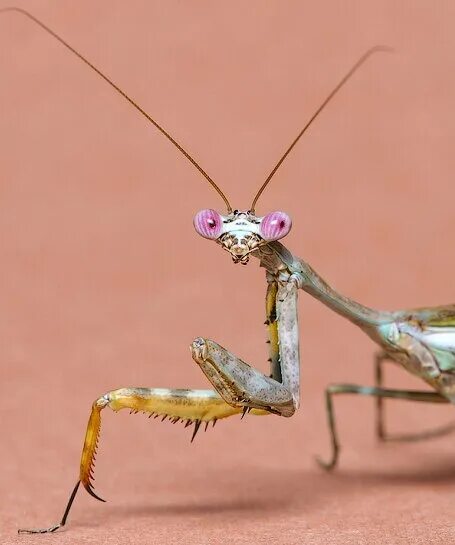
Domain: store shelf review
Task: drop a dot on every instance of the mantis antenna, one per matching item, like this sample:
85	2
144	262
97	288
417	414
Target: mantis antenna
347	76
124	95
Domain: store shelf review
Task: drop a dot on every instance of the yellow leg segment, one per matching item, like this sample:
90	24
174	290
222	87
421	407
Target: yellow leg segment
272	327
190	406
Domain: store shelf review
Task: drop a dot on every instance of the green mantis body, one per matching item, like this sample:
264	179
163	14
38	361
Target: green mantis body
422	341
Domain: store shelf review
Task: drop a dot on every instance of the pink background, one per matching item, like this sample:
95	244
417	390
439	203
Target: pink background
104	282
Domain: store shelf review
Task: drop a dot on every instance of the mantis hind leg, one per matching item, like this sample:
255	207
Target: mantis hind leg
193	407
336	389
380	426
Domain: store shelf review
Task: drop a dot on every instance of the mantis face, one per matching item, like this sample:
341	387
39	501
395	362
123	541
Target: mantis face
240	233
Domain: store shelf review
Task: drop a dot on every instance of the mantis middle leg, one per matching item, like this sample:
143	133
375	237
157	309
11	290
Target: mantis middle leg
380	427
336	389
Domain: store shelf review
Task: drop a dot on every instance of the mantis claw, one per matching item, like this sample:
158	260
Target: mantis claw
91	445
92	493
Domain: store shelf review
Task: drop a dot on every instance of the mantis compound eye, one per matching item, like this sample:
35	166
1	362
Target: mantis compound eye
275	225
208	223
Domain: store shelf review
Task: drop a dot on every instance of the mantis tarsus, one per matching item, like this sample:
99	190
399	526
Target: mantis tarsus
422	341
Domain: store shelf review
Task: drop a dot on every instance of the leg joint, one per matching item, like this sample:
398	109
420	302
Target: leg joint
102	401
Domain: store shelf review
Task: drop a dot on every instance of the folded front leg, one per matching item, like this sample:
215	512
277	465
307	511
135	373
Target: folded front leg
239	384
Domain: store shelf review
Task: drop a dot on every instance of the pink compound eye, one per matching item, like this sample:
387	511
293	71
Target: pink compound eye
208	223
275	225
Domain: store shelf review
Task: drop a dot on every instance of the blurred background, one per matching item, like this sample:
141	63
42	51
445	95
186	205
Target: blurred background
104	282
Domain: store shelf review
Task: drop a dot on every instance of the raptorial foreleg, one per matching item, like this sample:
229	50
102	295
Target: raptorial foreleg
241	385
194	407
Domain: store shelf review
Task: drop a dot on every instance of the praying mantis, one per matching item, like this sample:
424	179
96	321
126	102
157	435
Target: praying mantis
422	341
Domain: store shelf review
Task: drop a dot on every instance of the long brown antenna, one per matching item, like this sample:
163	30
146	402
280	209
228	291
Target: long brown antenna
357	65
124	95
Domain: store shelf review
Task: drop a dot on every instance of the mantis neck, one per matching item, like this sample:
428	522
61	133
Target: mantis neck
275	258
359	314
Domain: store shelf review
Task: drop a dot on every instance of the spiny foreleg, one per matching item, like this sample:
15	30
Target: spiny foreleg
194	407
240	384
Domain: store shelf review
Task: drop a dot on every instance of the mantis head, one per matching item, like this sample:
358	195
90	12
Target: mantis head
240	233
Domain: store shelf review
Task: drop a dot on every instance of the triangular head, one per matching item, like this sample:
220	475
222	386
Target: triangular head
240	232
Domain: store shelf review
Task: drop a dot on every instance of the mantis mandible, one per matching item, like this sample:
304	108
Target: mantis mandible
422	340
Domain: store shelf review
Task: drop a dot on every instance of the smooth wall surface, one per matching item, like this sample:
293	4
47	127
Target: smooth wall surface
104	282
